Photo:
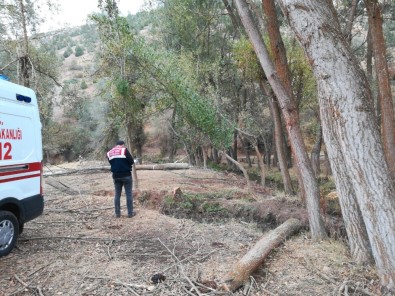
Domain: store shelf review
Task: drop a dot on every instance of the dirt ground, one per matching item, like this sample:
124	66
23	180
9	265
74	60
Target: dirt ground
78	247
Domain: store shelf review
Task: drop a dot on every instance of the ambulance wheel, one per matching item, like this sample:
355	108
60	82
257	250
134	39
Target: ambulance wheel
9	231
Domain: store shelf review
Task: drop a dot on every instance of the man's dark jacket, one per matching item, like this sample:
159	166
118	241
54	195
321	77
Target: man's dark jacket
121	161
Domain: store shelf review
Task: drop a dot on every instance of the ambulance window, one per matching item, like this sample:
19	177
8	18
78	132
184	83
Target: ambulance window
23	98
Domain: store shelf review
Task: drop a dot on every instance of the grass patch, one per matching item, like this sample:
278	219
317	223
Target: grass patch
201	207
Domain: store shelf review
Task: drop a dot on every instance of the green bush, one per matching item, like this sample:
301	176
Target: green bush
83	85
79	51
67	52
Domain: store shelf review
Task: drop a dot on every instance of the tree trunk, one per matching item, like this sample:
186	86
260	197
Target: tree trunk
268	151
24	60
290	114
384	85
216	157
350	21
358	240
369	68
349	125
279	139
254	258
281	65
261	164
204	158
315	152
235	145
172	139
237	164
135	183
245	142
233	17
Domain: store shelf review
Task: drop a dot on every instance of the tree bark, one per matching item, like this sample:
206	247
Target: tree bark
290	114
254	258
135	183
280	60
315	152
384	85
281	65
24	60
358	240
233	17
261	164
349	125
278	138
369	61
172	140
350	21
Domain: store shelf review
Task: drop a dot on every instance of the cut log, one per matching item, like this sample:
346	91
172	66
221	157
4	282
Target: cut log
165	166
242	270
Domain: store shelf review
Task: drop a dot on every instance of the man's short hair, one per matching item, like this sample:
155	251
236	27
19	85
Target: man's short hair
120	142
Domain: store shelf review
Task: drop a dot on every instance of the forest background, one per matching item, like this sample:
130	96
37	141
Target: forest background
233	80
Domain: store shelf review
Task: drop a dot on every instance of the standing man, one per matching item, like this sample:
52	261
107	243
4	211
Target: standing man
121	162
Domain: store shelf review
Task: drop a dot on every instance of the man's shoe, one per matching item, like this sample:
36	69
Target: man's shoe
117	216
132	215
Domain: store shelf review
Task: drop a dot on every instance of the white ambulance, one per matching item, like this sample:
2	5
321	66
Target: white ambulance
21	195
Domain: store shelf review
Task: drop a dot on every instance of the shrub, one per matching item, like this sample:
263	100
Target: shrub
67	52
79	51
83	85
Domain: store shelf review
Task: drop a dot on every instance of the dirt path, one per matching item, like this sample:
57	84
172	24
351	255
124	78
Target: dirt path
77	247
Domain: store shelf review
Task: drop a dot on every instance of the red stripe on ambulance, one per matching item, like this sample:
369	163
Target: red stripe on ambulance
20	168
20	172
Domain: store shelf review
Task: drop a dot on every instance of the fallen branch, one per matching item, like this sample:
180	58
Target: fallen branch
60	186
108	250
27	286
151	167
104	239
242	270
182	269
241	167
37	270
77	210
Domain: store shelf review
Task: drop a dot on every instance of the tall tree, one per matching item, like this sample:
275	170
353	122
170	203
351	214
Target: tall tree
349	125
198	32
281	65
24	62
119	68
291	121
279	137
384	85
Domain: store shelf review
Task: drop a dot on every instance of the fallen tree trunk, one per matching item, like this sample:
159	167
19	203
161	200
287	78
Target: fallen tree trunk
61	186
165	166
242	270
